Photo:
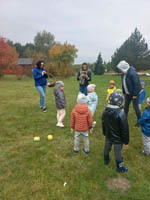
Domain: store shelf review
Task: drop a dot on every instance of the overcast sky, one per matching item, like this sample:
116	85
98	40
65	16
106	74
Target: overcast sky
93	26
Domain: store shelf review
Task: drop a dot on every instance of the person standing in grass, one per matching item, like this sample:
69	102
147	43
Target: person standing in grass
131	88
142	95
60	103
81	121
40	76
144	122
92	99
116	131
84	76
110	90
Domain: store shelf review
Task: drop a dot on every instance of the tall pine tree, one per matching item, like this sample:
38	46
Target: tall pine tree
135	51
99	68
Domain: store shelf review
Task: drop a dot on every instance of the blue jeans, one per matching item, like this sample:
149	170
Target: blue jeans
83	89
42	91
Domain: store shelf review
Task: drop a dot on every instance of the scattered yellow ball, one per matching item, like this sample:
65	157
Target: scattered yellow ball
49	137
36	138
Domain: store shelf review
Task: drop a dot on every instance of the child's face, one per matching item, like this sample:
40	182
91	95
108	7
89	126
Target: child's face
111	86
143	86
61	88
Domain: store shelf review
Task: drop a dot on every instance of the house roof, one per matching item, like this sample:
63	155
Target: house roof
25	61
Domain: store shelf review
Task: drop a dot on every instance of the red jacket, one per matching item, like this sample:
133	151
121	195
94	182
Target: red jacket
81	118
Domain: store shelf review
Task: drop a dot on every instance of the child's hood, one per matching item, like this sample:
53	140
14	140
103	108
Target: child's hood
81	108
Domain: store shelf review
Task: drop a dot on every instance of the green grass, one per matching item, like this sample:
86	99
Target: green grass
37	170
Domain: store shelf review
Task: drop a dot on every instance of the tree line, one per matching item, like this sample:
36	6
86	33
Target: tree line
134	50
59	58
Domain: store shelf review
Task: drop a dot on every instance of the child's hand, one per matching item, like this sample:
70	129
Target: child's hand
71	130
91	130
126	146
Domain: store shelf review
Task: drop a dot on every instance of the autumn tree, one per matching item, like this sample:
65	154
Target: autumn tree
8	56
62	57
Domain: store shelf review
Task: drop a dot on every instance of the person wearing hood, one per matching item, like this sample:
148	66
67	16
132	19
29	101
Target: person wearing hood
60	103
40	76
81	121
115	129
92	99
131	87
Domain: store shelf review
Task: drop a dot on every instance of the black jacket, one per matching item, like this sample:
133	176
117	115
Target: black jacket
85	81
132	82
115	125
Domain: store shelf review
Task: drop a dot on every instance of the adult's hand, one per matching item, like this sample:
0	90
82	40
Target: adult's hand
43	73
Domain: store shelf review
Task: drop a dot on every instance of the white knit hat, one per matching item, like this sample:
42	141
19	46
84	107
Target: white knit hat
81	99
91	87
123	66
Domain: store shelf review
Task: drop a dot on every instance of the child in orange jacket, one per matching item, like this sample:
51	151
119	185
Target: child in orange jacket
81	121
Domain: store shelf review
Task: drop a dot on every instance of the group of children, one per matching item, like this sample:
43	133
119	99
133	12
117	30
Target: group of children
114	122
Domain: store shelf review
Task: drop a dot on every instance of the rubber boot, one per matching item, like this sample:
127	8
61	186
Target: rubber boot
120	167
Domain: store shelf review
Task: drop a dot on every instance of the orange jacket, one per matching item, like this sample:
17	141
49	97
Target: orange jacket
81	118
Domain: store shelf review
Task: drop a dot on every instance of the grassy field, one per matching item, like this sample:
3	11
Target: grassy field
38	170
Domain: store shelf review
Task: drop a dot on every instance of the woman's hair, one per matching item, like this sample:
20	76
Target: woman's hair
38	64
86	66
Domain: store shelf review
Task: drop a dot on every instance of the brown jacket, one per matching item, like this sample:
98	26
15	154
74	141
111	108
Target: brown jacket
81	118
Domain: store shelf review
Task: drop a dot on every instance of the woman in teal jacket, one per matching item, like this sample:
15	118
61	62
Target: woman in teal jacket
40	77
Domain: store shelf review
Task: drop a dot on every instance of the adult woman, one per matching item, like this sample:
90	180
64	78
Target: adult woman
84	76
40	76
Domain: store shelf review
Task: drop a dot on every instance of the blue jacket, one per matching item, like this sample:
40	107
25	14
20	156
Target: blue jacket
39	79
132	82
92	100
144	122
142	96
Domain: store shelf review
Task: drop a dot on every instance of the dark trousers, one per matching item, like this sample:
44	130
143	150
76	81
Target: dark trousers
83	89
128	99
117	150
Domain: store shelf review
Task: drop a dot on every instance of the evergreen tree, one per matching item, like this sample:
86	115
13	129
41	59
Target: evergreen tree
99	68
135	51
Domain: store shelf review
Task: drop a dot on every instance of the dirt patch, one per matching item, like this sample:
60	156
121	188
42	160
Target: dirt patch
120	183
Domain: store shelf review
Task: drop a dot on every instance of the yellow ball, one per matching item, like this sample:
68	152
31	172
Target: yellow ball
36	138
49	137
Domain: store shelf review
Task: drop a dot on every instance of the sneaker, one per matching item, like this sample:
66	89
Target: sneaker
44	110
60	125
75	152
85	152
106	160
41	107
137	125
121	168
144	153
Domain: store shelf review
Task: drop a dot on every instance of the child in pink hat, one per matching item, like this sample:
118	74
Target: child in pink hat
92	99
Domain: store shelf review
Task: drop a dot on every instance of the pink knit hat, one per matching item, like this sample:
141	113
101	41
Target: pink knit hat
91	87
